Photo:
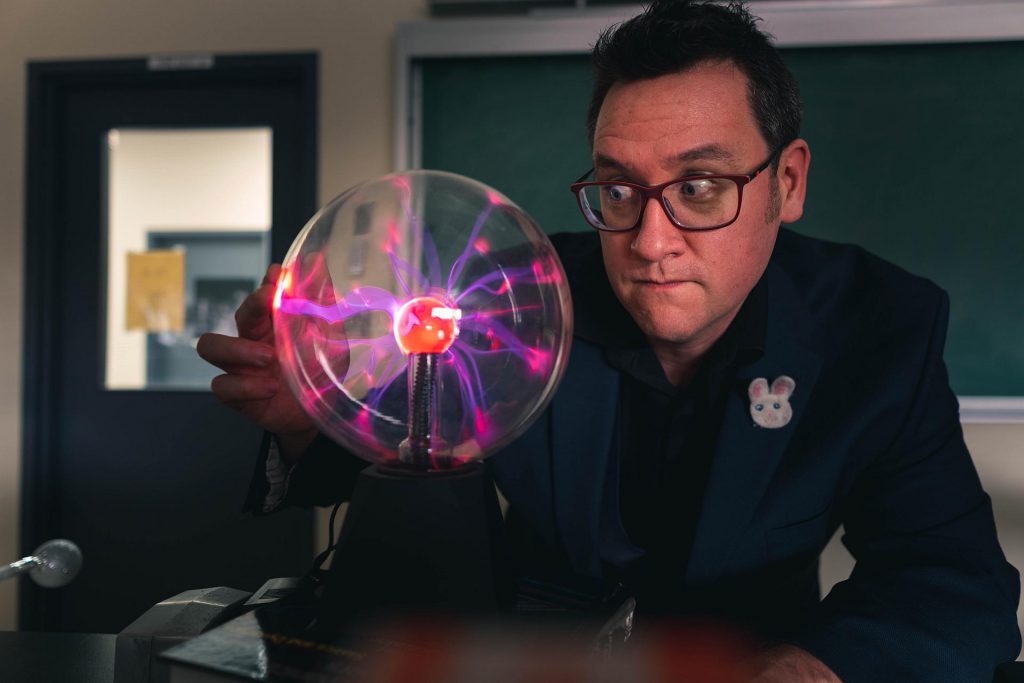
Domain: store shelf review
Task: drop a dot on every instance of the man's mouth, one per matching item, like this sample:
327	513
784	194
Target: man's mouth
662	283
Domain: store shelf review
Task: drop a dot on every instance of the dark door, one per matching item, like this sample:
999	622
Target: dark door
147	480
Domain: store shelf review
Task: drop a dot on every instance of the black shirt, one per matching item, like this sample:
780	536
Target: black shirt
667	434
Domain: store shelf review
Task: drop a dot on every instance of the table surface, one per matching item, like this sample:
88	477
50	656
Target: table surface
31	657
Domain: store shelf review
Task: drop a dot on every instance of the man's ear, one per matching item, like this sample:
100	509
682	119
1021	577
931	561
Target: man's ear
794	161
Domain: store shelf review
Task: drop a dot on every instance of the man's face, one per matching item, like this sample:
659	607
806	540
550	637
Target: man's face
684	287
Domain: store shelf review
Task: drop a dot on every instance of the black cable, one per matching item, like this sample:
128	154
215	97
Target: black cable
332	543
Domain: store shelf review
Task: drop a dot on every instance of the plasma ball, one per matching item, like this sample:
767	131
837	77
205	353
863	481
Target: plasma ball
426	325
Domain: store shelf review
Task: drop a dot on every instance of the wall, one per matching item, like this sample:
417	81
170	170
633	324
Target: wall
354	39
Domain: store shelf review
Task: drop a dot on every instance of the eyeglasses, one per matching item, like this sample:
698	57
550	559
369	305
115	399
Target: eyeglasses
697	202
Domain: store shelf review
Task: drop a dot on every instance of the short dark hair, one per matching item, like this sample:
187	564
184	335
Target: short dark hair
671	36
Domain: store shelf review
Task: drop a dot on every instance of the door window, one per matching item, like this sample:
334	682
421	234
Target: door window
188	218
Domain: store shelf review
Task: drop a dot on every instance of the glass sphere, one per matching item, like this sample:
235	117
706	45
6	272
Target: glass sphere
422	319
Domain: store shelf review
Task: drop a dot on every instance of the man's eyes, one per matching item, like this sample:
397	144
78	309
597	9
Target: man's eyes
693	189
618	193
696	188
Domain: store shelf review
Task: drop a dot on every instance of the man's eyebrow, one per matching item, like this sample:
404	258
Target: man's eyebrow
601	161
712	152
709	152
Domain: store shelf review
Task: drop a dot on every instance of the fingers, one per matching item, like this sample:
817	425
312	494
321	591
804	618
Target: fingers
233	354
236	390
269	403
253	316
273	273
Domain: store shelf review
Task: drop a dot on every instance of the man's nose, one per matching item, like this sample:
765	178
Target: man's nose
657	237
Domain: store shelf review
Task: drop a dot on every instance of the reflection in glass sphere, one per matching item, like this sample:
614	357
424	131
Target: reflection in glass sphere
422	320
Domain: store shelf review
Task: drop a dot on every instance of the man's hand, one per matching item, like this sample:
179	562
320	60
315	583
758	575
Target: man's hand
253	384
790	664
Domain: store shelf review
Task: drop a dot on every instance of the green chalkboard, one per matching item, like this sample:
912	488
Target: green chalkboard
917	154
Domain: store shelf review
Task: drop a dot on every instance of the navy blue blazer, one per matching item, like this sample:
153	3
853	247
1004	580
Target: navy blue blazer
874	445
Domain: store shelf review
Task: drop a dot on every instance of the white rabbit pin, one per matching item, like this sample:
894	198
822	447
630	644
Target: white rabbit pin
770	408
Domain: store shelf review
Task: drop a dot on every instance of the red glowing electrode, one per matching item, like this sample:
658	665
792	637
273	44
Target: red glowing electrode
426	325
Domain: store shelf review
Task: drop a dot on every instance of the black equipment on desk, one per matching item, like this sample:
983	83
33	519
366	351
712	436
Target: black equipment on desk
179	619
418	542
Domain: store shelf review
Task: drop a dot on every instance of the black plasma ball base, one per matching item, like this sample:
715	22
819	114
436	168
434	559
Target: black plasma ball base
420	544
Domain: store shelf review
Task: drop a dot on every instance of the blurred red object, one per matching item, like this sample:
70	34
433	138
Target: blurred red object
544	652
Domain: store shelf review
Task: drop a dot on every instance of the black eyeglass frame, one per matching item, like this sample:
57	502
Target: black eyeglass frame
649	192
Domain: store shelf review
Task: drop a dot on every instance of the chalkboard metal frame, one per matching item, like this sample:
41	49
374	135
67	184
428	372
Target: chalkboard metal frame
793	23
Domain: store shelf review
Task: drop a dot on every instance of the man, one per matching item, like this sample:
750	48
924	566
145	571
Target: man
735	392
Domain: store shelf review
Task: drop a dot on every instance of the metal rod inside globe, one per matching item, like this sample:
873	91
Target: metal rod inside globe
422	404
425	327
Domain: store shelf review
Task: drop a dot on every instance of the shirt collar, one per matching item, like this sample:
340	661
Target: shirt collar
602	320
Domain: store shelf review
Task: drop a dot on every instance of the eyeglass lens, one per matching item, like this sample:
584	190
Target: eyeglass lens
693	203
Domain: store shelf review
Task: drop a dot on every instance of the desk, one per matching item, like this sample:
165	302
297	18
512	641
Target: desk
30	657
33	657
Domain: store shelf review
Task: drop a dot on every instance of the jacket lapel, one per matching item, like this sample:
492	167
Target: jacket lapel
582	436
747	456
